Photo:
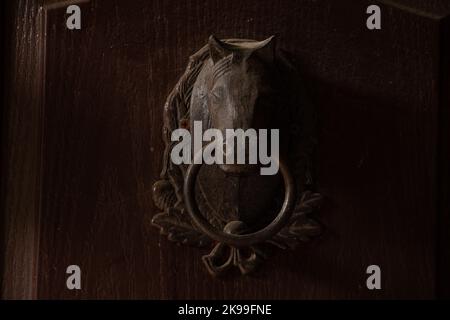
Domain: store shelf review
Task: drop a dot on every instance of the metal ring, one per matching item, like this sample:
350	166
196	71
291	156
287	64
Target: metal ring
239	240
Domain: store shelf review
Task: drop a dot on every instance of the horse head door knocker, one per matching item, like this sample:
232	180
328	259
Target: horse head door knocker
231	207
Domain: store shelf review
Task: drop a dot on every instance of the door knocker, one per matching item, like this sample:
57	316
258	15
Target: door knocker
233	209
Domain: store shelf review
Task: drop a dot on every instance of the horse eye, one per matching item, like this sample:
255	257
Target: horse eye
218	93
216	96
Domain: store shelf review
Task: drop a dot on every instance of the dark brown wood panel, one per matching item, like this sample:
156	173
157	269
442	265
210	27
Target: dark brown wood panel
443	279
94	152
21	142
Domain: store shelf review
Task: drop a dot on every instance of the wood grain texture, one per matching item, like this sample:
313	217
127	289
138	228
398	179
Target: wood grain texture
378	97
21	149
434	9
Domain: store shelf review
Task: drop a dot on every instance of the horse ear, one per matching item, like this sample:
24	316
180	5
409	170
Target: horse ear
266	49
217	49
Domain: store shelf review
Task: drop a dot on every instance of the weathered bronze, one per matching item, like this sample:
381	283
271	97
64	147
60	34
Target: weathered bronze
232	84
234	239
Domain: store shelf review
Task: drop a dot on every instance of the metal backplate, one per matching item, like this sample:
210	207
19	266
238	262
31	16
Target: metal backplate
231	199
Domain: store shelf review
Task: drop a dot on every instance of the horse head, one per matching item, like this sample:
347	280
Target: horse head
237	88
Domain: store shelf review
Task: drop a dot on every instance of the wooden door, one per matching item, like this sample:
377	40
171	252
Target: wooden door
82	147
